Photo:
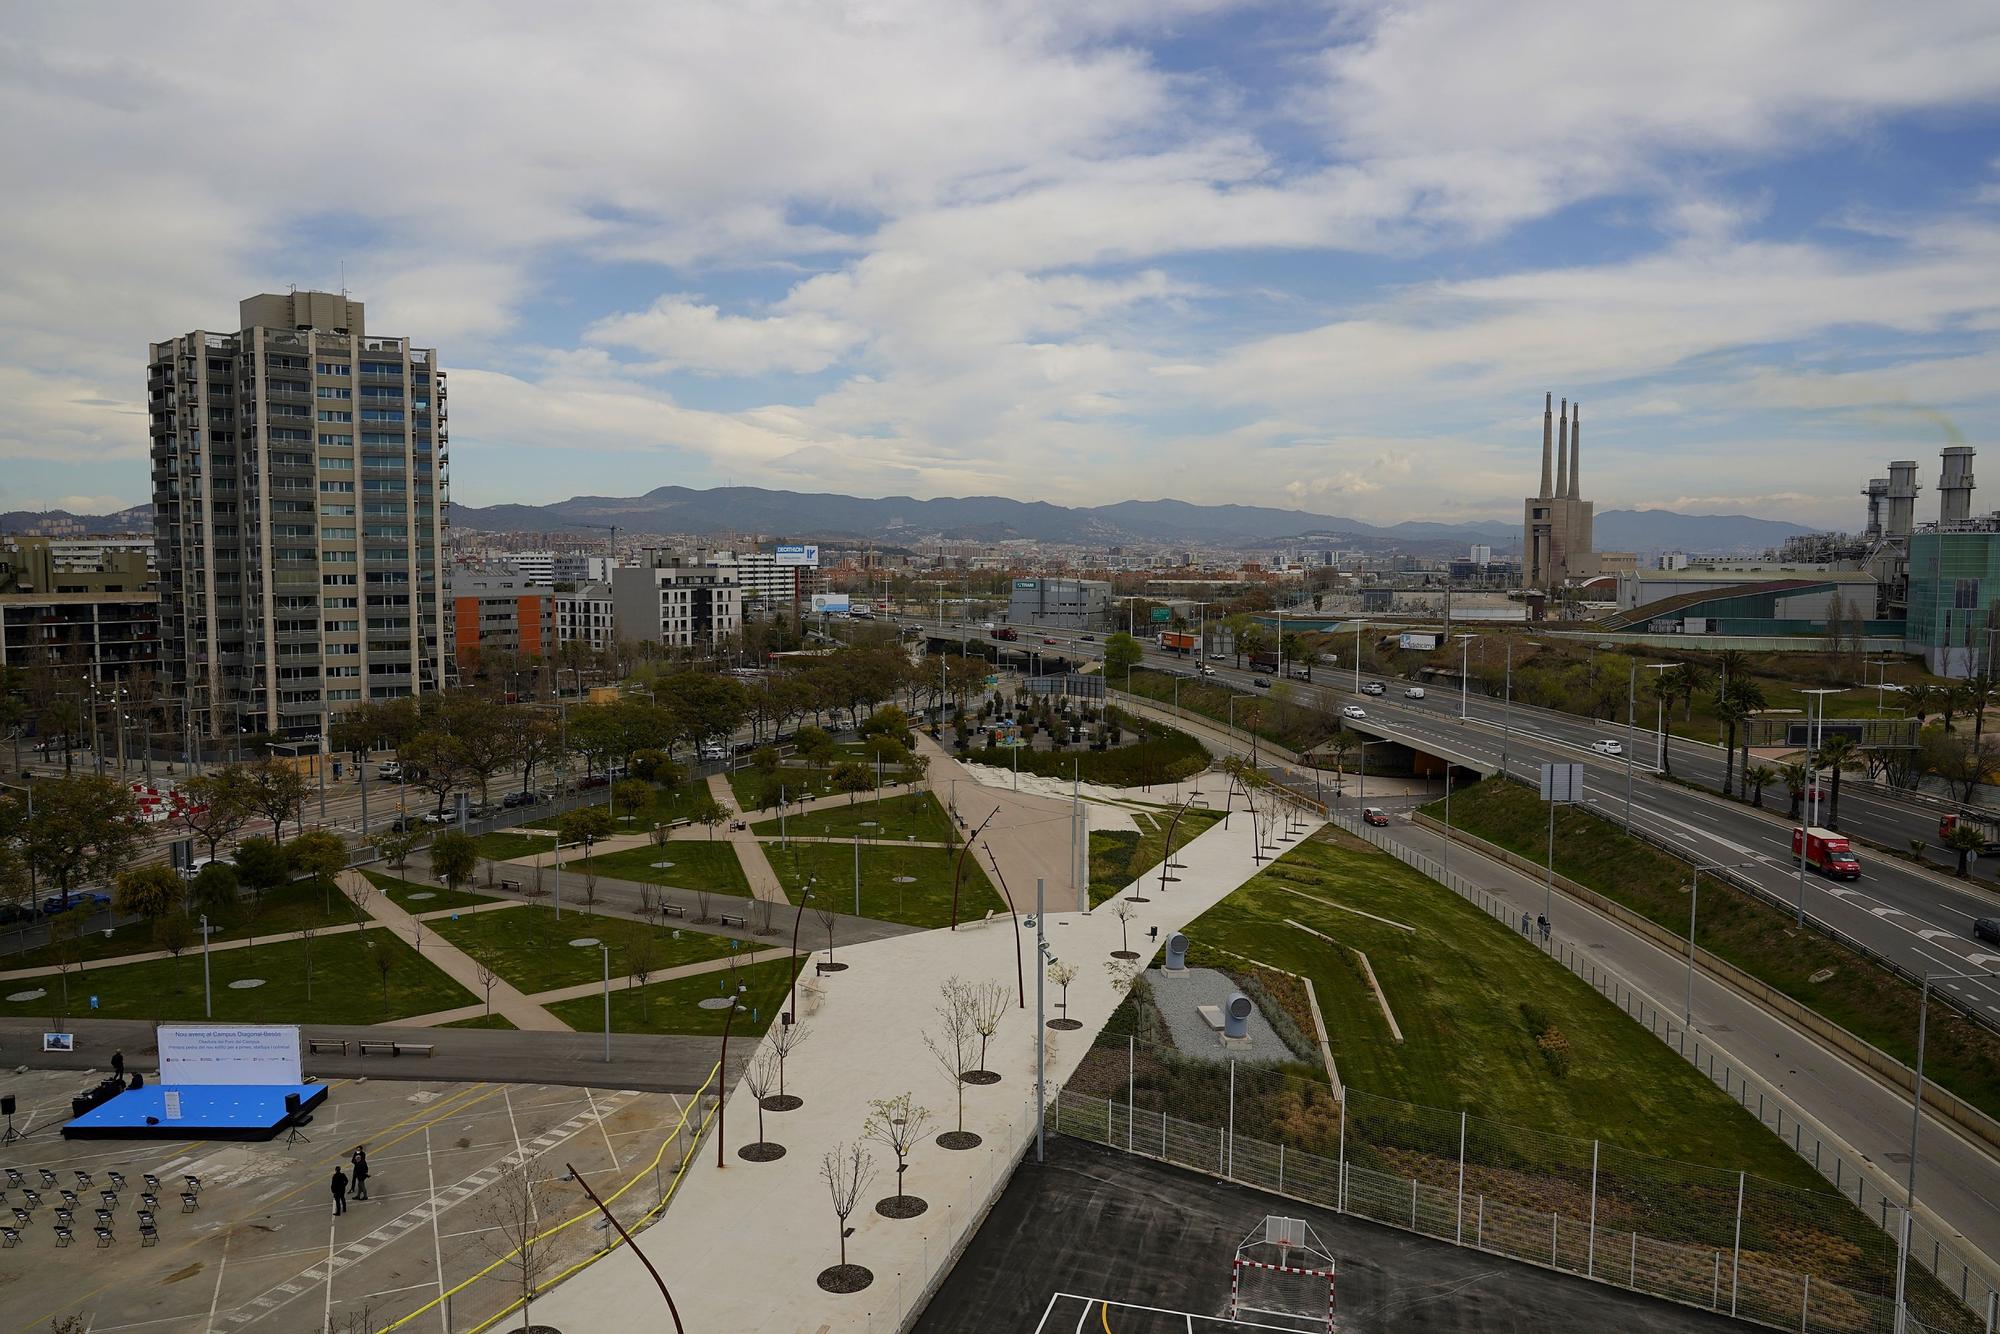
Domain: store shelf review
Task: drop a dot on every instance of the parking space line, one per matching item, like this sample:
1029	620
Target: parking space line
221	1267
600	1128
437	1245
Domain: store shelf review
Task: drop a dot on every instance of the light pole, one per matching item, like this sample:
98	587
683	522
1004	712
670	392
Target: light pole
207	997
607	1001
1043	958
1464	674
1813	726
1358	623
1507	711
1916	1122
1659	716
1694	897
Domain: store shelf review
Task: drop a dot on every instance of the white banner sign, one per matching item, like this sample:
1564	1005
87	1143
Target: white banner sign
226	1054
1562	782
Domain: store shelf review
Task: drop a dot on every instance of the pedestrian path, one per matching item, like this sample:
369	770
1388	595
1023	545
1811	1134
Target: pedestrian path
866	1042
581	989
148	956
461	967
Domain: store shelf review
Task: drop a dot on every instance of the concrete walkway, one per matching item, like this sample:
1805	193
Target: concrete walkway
461	967
866	1043
595	988
217	947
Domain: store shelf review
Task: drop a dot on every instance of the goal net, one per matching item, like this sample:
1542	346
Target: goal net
1282	1278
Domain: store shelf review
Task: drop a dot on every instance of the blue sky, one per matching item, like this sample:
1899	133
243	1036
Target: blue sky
1321	256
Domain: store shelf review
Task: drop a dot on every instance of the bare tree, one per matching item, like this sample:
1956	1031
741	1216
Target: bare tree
828	919
513	1234
306	934
384	962
649	899
847	1169
897	1124
487	979
784	1040
951	1047
360	892
589	889
1123	910
701	913
990	1004
1062	974
642	957
765	907
760	1079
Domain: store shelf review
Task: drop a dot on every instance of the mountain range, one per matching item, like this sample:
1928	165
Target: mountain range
907	521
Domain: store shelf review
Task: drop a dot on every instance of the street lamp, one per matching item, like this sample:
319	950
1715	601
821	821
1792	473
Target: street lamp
1814	726
607	1001
207	997
1916	1121
1694	897
1660	716
1464	673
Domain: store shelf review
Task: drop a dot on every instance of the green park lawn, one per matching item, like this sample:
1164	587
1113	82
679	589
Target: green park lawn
347	987
924	902
507	844
530	947
282	911
1814	970
916	813
671	1007
663	808
753	786
1120	856
482	1021
698	863
399	892
1459	983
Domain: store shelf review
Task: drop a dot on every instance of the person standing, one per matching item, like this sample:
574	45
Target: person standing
339	1185
360	1161
118	1063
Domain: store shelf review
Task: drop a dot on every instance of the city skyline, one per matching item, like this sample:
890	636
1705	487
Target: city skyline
1254	254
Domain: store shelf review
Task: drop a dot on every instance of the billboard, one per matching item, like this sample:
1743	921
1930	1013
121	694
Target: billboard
229	1054
807	556
1027	585
830	604
1423	640
1162	614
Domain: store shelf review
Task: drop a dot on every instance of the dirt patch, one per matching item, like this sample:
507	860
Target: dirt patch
185	1271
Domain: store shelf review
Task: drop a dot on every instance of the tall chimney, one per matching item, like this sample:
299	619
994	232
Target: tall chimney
1899	514
1548	425
1562	451
1955	485
1877	492
1575	452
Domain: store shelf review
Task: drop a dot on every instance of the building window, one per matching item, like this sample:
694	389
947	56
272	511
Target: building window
333	368
1965	595
330	415
334	391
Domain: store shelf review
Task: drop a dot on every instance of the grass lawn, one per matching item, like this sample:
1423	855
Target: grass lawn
507	844
530	948
346	989
756	790
1166	755
1458	984
926	901
698	863
670	1007
482	1021
1120	856
665	808
1866	1000
281	912
398	891
1268	713
918	812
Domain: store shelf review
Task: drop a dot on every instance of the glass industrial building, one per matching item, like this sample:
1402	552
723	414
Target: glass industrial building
1954	582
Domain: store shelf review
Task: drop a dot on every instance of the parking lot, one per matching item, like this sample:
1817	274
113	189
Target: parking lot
260	1248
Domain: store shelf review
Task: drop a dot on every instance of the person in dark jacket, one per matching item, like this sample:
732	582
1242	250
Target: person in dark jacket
360	1161
339	1185
118	1064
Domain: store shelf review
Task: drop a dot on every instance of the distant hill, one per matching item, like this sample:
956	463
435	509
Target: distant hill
61	523
1666	530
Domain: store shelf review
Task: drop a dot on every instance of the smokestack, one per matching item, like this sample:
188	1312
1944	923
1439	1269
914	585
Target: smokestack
1575	450
1899	512
1876	490
1955	485
1562	451
1548	425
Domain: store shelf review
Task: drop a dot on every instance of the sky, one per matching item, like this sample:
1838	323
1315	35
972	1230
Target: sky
1326	257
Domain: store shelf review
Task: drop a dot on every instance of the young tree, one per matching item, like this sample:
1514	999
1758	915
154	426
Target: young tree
488	979
384	964
1967	841
705	811
898	1124
760	1079
852	778
784	1040
306	934
951	1047
632	795
1121	653
1794	776
990	1004
321	854
515	1235
262	866
150	891
396	848
1757	777
828	920
215	890
277	791
454	856
1062	974
1123	910
538	742
589	888
66	930
847	1169
584	825
1835	754
642	959
430	760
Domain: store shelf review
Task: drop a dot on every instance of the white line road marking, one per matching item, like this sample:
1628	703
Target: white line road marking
437	1246
327	1323
220	1266
600	1126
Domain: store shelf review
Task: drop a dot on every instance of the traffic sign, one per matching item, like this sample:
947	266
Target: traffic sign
1562	782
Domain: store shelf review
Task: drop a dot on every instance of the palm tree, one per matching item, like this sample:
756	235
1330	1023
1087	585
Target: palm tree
1921	700
1734	665
1754	778
1836	753
1794	775
1730	710
1979	693
1690	678
1967	840
1664	687
1751	696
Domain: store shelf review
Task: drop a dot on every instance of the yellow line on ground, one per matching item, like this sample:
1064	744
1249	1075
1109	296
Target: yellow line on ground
1104	1314
666	1197
434	1113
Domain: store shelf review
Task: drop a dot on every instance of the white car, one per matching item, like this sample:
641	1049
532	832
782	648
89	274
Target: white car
1607	748
1414	692
1354	711
1372	688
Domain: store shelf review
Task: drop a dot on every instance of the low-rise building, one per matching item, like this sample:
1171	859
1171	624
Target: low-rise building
1066	604
505	613
584	615
677	601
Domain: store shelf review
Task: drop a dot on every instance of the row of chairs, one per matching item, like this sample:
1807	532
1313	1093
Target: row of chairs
104	1210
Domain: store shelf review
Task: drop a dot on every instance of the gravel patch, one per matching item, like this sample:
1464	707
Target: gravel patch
1178	998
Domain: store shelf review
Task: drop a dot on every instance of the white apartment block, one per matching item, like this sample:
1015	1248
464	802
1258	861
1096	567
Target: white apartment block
585	616
677	602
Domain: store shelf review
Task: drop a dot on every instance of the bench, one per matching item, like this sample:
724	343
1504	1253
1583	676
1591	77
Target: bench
313	1045
368	1048
733	919
672	910
511	886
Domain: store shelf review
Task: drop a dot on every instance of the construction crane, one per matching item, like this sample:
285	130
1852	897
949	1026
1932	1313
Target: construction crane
611	546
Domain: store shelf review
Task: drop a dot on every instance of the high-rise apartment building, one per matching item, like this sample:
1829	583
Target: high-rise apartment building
300	496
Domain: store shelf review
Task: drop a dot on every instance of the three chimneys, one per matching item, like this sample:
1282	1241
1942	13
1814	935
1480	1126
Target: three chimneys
1563	441
1892	500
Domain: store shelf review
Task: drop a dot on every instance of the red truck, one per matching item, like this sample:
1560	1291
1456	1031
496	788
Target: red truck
1006	632
1177	641
1987	828
1827	853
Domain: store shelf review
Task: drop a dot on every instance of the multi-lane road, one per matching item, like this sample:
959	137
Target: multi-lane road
1920	919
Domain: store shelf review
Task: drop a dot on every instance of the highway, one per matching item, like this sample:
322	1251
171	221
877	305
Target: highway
1919	919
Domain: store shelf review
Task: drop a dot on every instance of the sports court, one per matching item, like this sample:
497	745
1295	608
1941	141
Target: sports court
1096	1240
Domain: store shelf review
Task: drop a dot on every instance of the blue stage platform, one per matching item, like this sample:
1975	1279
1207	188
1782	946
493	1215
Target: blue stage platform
207	1111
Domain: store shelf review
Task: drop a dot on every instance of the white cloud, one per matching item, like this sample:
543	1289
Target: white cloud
682	335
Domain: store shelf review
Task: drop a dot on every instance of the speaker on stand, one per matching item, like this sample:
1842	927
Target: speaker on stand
7	1109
